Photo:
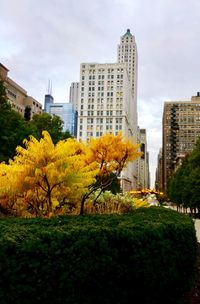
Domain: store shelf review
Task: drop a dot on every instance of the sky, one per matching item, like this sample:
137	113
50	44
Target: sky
42	40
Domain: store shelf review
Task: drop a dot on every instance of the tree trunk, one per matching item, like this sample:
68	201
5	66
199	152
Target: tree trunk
82	205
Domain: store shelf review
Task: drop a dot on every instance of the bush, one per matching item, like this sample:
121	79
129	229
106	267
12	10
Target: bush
108	203
144	257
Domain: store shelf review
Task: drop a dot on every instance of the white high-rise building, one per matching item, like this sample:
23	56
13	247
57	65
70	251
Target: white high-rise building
107	103
74	94
127	53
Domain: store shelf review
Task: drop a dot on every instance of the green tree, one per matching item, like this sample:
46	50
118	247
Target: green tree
14	128
3	97
184	187
52	124
27	113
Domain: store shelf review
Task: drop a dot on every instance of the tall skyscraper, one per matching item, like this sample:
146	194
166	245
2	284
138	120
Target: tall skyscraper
107	100
48	100
127	53
74	94
181	128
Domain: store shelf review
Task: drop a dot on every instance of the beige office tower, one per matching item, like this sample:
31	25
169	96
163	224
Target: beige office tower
127	53
108	100
74	94
181	128
159	172
143	176
106	106
17	96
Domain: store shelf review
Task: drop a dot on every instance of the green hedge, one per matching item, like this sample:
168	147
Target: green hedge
145	257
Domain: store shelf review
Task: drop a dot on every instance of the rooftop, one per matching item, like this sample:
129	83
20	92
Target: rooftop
128	33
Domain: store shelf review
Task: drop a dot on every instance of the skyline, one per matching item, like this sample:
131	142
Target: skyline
49	40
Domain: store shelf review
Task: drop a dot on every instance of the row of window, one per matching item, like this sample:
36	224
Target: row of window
100	120
102	106
98	134
100	131
102	71
102	77
102	113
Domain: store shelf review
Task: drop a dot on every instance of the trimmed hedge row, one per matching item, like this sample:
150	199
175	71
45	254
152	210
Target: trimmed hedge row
145	257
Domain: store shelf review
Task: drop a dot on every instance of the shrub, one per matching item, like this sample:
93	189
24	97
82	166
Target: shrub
144	257
113	203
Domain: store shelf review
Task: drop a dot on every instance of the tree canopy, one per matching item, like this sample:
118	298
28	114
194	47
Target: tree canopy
52	124
45	179
14	127
184	186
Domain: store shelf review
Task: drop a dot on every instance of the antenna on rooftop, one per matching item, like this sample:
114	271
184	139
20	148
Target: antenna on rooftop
49	89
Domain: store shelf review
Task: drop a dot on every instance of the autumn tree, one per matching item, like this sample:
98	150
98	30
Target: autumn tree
112	153
43	178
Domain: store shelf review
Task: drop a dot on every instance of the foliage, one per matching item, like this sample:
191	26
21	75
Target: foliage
145	257
27	113
3	97
112	153
14	128
113	203
52	124
44	179
184	187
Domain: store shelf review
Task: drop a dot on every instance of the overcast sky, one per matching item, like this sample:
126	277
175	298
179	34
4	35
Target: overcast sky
48	39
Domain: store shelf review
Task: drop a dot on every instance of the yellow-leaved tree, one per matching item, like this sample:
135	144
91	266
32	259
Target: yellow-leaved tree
112	153
44	178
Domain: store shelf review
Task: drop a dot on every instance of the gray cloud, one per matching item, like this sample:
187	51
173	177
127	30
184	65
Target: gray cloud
48	39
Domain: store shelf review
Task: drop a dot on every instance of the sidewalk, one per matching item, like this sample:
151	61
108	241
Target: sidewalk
197	227
194	297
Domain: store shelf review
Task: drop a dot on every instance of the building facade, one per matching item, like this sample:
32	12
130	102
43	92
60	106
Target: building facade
67	114
181	128
159	172
108	100
17	96
127	53
48	100
143	175
74	94
105	103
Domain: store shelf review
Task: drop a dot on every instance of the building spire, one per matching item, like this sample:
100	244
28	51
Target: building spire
49	89
128	33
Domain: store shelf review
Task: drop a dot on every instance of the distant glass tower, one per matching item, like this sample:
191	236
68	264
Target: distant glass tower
48	99
67	114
